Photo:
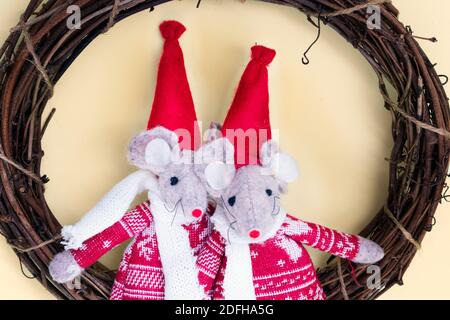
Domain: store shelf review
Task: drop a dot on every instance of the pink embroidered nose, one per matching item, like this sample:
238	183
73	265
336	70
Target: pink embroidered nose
254	233
197	213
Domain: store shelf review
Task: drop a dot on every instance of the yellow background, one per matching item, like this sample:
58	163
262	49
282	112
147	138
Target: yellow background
330	114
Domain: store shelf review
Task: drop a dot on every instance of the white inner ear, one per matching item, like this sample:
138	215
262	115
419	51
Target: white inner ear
158	153
284	167
219	175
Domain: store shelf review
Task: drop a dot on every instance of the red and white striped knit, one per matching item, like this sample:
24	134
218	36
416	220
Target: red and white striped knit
209	261
140	275
281	268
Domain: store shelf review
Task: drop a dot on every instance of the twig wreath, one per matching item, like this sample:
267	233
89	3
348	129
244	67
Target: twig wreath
41	48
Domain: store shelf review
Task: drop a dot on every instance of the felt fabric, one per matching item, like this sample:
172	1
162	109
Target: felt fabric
281	268
63	268
250	109
369	252
188	194
141	275
173	106
252	208
138	151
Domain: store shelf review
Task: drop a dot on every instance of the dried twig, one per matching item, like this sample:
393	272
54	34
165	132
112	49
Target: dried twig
20	168
355	8
341	280
37	61
112	17
33	248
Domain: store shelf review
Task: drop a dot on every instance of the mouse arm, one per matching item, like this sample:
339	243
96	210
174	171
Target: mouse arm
109	209
340	244
69	264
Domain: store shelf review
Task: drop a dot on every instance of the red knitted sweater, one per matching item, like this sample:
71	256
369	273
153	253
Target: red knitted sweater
280	267
140	275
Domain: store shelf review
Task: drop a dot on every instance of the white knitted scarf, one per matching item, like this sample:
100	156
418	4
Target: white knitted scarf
177	258
110	209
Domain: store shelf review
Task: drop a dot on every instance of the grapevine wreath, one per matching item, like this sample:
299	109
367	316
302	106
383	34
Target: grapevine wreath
41	48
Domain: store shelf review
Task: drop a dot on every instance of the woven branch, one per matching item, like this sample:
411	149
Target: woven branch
355	8
417	166
112	17
403	230
33	248
20	168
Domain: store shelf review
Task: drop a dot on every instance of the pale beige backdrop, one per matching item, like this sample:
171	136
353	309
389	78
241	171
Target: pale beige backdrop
330	114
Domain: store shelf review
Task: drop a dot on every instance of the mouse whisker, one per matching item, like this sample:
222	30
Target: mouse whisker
173	219
226	208
182	207
229	230
174	208
274	207
176	211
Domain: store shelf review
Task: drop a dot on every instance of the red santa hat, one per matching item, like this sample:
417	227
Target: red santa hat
247	124
173	106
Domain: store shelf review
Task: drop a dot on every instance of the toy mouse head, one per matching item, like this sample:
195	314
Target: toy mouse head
177	186
167	147
214	162
251	198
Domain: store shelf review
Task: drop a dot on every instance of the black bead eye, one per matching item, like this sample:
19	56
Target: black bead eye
232	201
174	181
269	192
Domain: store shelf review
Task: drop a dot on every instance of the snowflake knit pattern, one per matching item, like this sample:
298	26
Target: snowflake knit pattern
281	267
140	275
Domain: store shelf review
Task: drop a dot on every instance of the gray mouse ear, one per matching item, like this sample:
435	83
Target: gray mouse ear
214	165
218	150
278	164
219	175
154	149
282	186
214	132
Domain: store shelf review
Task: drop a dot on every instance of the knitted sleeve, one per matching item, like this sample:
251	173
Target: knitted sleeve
132	223
337	243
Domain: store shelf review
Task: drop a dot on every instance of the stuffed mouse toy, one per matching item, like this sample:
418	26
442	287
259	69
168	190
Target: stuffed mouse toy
142	257
256	250
168	230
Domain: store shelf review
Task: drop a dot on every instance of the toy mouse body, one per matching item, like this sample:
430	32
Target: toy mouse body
260	248
257	250
168	231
